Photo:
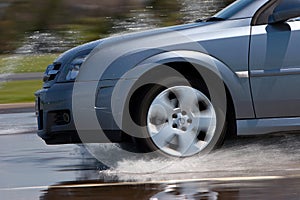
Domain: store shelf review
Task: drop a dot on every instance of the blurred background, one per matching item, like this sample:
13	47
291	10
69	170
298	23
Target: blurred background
34	32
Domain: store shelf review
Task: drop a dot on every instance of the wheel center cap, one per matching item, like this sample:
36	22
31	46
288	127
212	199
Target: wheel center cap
181	121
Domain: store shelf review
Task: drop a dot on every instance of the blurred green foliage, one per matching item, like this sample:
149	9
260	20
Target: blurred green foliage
78	20
91	19
167	11
85	20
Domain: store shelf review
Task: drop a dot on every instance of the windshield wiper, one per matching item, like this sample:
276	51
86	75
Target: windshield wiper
214	19
210	19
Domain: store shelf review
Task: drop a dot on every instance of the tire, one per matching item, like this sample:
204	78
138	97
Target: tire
179	119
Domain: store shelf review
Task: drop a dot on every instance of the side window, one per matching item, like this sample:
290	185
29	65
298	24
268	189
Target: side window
287	5
290	6
276	11
262	15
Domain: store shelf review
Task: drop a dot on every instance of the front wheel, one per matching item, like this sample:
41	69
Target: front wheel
180	121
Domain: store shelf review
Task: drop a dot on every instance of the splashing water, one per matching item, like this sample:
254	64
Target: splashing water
267	155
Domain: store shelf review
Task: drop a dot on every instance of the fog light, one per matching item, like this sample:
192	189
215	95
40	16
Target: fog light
66	117
62	117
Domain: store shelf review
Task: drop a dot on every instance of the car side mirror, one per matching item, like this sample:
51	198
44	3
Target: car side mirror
284	15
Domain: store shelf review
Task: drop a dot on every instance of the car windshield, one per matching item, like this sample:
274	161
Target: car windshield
233	9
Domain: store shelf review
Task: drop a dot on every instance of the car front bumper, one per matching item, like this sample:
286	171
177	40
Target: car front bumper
55	118
54	114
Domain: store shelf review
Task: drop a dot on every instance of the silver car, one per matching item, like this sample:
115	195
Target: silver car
180	90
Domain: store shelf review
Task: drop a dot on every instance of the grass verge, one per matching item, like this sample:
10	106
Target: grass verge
25	63
19	91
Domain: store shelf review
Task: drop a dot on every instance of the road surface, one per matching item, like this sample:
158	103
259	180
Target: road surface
266	167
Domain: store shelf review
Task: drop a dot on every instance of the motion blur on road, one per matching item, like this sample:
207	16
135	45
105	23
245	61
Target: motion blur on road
264	167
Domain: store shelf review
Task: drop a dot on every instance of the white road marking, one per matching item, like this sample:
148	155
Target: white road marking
225	179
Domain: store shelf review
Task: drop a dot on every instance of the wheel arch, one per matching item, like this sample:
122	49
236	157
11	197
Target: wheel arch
192	75
238	89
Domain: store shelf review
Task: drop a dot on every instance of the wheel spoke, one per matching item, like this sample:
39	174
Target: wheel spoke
187	143
166	137
201	144
188	99
204	120
158	115
165	103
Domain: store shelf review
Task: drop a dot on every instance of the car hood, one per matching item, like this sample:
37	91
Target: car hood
116	55
70	54
199	27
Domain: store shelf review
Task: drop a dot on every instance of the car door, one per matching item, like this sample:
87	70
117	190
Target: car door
274	62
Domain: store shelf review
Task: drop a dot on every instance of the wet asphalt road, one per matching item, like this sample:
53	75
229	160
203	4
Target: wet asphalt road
266	167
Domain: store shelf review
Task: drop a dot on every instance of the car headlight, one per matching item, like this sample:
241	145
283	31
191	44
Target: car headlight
74	67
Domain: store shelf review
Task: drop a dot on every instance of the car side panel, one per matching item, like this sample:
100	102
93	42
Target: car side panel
275	70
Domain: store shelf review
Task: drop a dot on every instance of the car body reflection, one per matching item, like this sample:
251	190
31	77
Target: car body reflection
214	190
